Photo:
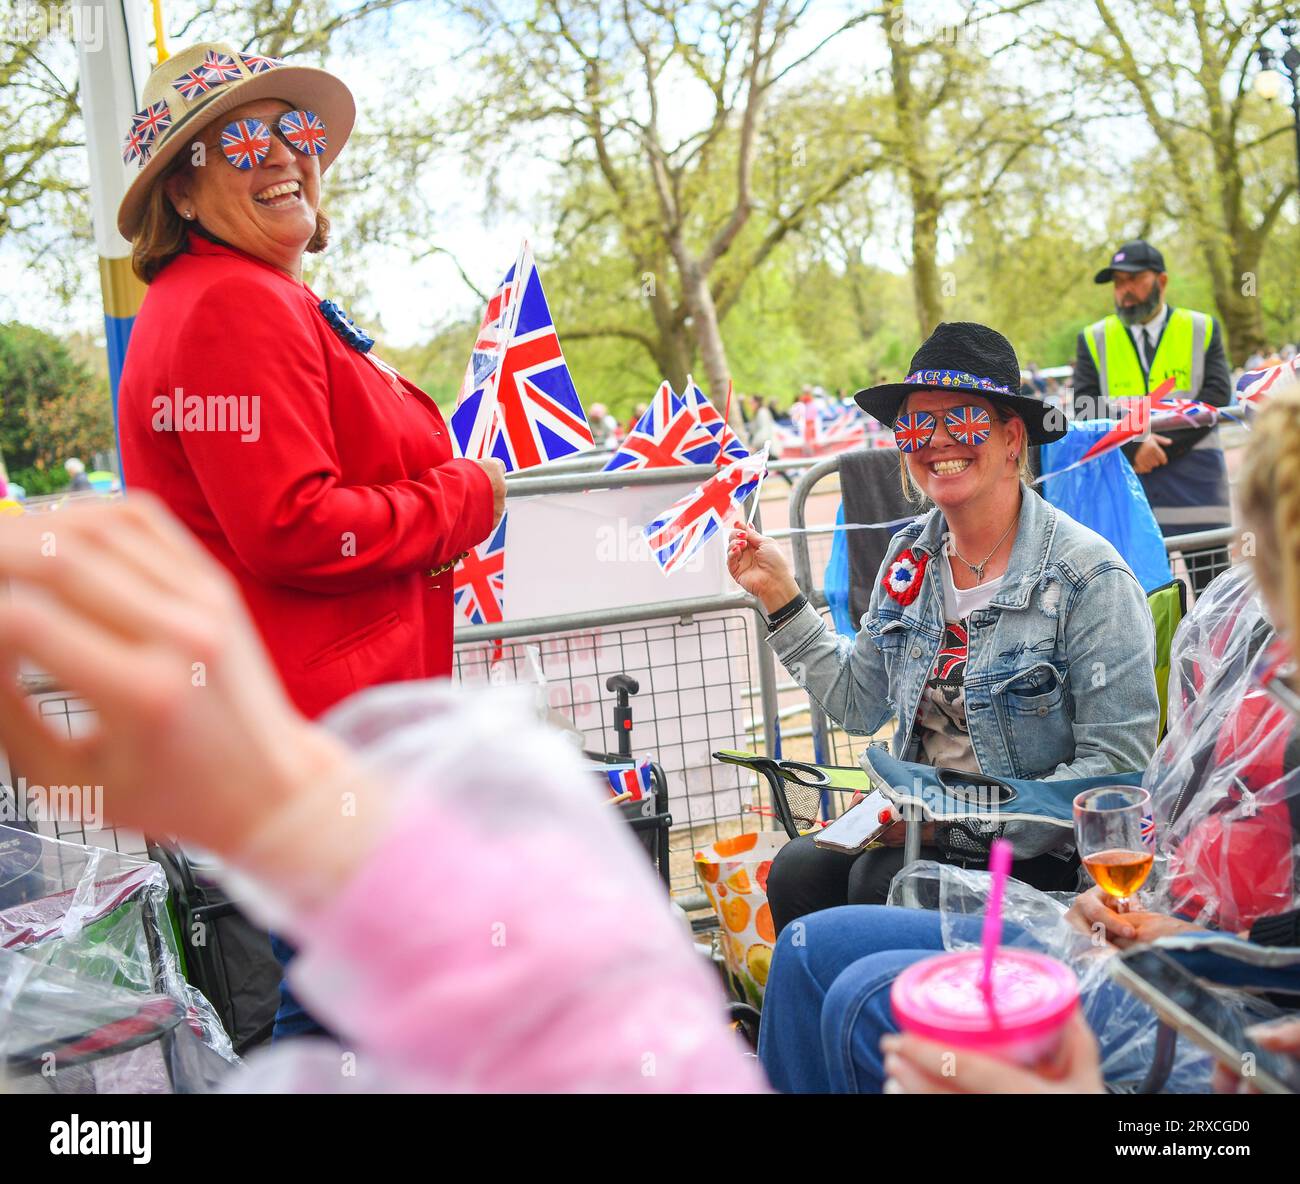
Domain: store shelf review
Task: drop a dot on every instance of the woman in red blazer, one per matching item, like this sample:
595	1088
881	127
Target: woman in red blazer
318	475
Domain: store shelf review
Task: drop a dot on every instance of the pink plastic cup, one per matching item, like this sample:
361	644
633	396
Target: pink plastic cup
1020	1020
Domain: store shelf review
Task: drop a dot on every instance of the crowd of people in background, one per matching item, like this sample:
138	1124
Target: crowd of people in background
760	413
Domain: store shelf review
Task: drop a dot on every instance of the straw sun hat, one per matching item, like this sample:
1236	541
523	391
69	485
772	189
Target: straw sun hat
193	88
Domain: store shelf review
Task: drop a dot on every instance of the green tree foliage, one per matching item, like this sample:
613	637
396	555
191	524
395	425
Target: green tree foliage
52	406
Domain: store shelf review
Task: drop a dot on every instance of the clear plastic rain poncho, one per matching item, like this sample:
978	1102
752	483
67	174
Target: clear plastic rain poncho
1225	788
92	998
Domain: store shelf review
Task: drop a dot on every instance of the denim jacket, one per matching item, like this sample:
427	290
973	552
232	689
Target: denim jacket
1060	667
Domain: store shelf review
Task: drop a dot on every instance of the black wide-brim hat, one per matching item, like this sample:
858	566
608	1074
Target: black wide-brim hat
965	356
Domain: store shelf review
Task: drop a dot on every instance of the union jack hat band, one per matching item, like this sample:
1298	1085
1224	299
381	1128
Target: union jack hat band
955	378
194	88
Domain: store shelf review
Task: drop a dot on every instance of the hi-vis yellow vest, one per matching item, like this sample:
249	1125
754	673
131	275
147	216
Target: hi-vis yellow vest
1181	353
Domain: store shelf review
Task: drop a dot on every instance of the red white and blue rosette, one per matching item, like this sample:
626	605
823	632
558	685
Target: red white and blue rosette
903	577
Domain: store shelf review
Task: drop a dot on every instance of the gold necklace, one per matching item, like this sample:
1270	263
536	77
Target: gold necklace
978	568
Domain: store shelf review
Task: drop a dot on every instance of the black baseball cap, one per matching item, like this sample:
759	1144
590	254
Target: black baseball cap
1132	256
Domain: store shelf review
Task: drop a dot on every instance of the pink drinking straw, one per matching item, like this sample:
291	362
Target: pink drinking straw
991	938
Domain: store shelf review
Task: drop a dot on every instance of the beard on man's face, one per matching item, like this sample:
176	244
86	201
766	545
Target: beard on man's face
1133	311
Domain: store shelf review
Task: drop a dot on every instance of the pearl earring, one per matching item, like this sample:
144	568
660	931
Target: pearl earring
190	215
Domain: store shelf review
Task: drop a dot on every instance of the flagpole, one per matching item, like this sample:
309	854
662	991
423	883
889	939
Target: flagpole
113	66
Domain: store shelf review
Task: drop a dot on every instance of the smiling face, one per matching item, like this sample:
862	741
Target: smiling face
951	474
268	210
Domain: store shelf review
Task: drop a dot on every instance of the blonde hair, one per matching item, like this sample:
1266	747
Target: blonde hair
1269	496
917	498
164	234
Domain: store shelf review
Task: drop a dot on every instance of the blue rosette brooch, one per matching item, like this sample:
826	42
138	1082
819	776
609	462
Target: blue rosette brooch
352	335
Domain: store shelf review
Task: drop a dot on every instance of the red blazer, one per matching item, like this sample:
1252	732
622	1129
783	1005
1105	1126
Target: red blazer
330	500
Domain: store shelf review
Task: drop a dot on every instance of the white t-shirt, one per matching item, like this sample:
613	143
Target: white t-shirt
941	718
959	603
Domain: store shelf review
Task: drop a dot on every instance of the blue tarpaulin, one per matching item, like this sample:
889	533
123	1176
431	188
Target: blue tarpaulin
1106	495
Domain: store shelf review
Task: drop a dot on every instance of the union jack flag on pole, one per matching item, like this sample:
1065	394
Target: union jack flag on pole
1172	412
681	530
707	414
820	426
667	434
479	588
1255	386
523	408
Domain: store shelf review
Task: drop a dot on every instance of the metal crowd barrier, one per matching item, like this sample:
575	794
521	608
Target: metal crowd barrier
667	648
690	656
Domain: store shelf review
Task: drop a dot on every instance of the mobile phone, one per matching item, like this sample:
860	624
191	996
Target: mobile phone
859	825
1198	1011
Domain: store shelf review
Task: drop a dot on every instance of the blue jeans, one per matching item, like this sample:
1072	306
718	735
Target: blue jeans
291	1018
826	1004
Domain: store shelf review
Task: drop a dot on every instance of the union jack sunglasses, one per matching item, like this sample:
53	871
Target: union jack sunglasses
247	141
969	424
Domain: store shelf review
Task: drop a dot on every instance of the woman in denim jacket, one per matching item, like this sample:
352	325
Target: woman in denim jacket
1004	636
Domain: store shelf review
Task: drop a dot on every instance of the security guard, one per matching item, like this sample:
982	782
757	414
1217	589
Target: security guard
1132	351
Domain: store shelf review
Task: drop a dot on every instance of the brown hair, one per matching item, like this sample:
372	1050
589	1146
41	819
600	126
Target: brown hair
1269	496
917	498
163	233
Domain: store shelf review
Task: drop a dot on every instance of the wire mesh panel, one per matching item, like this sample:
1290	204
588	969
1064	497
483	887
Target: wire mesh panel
1197	567
694	678
79	809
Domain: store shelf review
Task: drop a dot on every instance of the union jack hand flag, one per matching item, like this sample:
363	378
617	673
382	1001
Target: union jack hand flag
255	63
220	67
195	83
667	434
681	530
1255	386
485	357
634	779
479	588
707	414
526	411
1192	412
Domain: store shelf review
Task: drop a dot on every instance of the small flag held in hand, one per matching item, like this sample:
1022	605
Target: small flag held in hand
681	530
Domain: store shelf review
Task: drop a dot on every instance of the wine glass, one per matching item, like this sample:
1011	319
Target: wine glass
1115	833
